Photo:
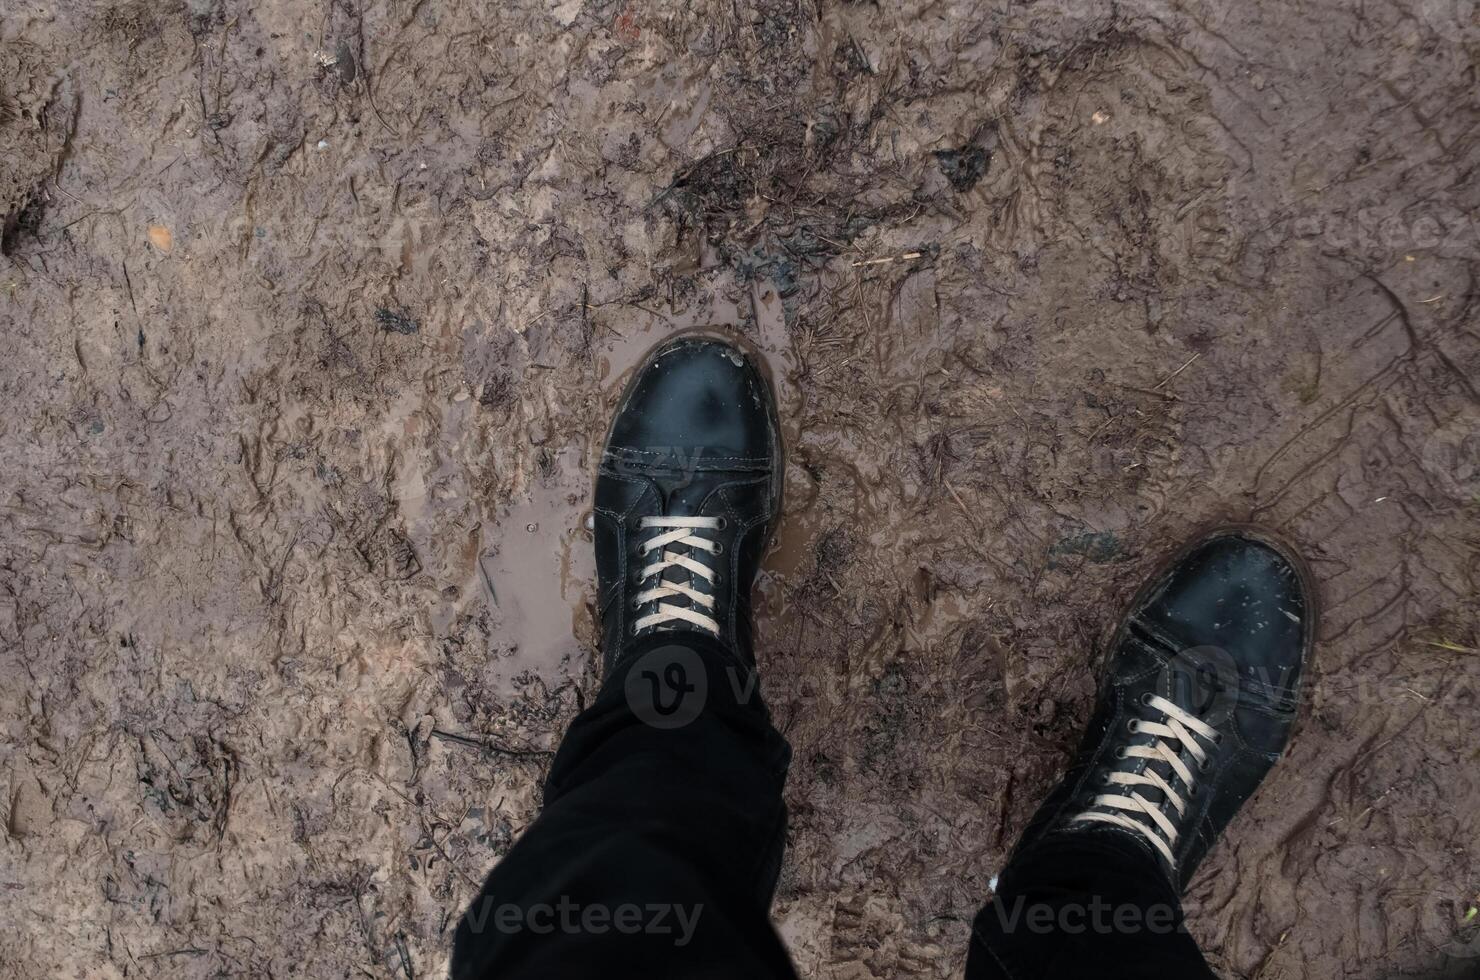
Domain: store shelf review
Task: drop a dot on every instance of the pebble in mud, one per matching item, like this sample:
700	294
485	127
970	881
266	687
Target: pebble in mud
963	167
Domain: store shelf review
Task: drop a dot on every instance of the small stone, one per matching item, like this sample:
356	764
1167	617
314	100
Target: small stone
395	321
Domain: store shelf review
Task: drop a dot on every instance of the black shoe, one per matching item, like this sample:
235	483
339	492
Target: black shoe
687	494
1197	702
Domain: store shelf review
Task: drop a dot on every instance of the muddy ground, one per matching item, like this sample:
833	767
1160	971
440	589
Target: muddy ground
313	313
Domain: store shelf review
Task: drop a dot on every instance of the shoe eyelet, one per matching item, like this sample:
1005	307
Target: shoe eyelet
1205	765
1133	726
1120	753
718	548
1145	699
723	523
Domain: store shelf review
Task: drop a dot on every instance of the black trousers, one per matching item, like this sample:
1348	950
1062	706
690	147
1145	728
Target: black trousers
660	842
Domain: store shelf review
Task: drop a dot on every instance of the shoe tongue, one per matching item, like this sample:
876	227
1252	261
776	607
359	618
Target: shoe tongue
1203	680
682	496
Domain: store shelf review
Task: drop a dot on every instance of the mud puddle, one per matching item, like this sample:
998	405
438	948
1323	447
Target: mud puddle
536	556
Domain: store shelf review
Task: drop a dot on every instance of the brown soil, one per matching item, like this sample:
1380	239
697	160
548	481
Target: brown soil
314	313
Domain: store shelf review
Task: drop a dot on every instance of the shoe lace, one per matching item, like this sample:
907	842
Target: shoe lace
1128	808
672	532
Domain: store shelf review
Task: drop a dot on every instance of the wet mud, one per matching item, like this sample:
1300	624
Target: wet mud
315	312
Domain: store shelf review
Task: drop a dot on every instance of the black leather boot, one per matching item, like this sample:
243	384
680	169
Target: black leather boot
687	494
1197	701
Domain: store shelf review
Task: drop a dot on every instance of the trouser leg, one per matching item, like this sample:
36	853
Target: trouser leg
1083	905
660	841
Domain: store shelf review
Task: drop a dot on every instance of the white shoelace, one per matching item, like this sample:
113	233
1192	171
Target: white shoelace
678	531
1181	727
